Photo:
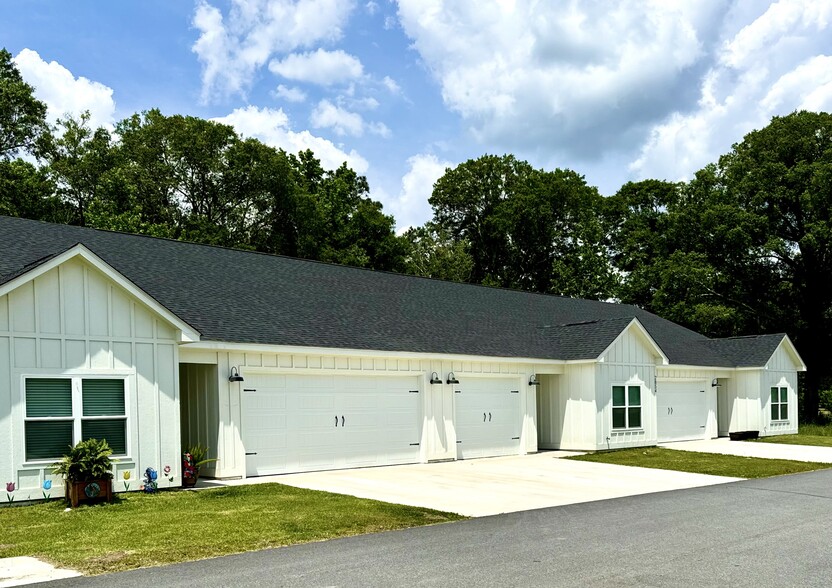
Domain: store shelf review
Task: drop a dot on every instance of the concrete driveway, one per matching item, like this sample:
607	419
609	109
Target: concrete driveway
482	487
750	449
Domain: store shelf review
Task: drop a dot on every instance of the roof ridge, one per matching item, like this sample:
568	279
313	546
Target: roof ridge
317	261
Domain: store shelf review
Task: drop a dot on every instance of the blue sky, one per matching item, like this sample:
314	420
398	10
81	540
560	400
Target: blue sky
401	90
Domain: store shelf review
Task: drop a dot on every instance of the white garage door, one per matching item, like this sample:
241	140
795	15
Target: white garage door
682	410
303	423
487	417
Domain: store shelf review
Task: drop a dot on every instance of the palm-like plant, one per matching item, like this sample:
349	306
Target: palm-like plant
88	460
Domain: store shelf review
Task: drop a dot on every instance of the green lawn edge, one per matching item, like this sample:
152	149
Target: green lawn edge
140	530
695	462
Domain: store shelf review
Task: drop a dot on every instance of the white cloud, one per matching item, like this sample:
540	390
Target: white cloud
371	7
290	94
63	93
410	207
319	67
343	122
576	75
391	85
770	67
233	47
273	128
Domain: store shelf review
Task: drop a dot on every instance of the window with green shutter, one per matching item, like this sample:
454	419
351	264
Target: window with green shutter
103	413
59	412
626	407
779	403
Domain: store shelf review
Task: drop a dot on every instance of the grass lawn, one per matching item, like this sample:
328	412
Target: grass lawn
140	530
817	435
701	463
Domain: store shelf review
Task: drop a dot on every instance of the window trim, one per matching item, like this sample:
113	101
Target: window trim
77	417
627	406
780	404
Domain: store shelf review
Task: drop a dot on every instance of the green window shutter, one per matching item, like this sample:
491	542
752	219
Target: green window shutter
112	430
47	439
634	393
103	397
618	396
48	397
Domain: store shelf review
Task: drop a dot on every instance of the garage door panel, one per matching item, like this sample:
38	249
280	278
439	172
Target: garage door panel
487	418
381	422
682	411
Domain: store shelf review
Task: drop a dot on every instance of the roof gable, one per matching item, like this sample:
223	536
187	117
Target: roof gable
47	263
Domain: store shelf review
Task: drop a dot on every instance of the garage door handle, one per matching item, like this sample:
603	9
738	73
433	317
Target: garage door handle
483	417
489	417
342	420
251	453
336	420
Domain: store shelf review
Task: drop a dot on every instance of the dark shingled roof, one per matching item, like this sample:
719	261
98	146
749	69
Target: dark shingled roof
244	297
751	351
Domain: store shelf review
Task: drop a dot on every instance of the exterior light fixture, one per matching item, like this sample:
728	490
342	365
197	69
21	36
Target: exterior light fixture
533	381
235	375
434	378
452	378
715	383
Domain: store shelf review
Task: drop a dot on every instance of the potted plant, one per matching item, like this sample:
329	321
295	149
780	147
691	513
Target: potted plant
193	459
87	471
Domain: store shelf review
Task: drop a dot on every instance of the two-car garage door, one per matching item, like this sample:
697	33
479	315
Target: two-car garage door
304	423
297	423
682	410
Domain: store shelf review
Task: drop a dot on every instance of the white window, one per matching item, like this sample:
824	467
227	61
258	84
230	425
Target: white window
61	411
626	407
779	403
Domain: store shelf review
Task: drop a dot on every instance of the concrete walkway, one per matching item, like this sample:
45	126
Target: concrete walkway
750	449
17	571
483	487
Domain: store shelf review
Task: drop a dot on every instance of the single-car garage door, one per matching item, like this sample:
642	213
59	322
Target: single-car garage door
682	410
296	423
487	417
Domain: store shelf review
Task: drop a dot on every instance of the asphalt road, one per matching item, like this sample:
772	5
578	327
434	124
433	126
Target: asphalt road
760	533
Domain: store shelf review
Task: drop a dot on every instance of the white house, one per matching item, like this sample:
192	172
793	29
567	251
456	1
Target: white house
141	341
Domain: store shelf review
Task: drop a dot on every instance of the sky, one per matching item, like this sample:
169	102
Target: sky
401	90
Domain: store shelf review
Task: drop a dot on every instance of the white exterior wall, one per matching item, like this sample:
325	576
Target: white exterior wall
575	393
712	394
743	401
630	360
74	320
780	371
438	434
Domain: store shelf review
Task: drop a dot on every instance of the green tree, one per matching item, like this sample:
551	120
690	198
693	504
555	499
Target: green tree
22	116
432	253
525	228
27	191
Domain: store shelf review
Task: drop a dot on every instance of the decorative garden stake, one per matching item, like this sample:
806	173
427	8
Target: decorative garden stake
150	476
10	492
47	486
166	469
126	476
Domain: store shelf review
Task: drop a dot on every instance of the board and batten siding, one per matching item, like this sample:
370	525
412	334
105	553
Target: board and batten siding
438	433
630	360
780	371
573	401
73	320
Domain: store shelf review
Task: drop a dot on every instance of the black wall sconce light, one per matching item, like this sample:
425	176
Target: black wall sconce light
452	378
715	383
434	378
235	375
533	381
